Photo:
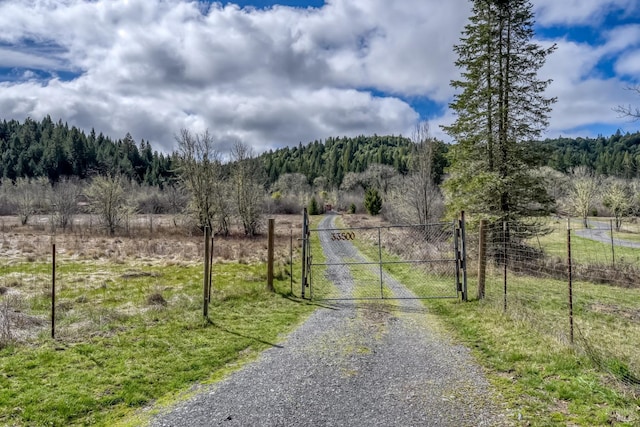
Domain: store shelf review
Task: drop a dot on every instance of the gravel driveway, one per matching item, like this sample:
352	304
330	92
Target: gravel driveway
351	364
601	232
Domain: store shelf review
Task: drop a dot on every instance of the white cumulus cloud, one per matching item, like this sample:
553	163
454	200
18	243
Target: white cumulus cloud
275	76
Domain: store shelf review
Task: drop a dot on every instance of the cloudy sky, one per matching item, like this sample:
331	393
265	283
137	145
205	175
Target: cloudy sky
278	73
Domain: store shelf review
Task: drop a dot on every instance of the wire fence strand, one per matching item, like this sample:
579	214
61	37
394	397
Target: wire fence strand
579	285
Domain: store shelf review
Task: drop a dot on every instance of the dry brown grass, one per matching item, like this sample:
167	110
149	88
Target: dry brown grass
25	274
147	240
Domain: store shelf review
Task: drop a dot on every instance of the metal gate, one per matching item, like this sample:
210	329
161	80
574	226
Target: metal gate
383	262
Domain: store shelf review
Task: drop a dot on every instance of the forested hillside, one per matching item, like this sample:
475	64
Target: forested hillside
617	155
335	157
46	149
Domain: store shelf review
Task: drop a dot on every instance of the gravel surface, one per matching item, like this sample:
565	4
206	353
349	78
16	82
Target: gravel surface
601	232
351	364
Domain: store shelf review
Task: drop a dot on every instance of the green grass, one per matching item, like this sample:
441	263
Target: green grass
320	286
435	280
117	353
583	250
545	380
628	236
541	377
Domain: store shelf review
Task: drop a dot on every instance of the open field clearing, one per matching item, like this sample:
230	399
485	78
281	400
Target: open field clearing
131	338
545	378
587	250
129	324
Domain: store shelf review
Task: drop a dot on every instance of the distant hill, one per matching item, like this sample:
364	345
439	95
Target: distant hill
617	155
335	157
53	150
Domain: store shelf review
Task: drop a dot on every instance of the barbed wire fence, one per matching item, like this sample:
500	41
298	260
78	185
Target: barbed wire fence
580	286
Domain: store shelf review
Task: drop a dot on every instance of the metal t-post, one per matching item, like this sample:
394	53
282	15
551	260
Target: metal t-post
304	251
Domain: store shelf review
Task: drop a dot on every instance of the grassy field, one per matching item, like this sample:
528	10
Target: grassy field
587	251
130	334
131	337
526	350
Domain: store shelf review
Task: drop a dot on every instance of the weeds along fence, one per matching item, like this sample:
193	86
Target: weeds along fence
579	285
139	278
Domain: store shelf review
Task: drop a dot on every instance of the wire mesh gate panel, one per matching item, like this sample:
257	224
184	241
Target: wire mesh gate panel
394	262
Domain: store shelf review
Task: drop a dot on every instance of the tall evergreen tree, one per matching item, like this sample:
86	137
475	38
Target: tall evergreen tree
500	108
372	201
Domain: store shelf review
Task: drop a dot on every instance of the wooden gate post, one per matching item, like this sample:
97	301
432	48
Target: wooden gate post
463	238
210	269
291	261
482	259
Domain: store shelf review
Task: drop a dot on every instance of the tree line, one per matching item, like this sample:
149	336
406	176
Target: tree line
493	170
34	149
617	155
204	191
334	158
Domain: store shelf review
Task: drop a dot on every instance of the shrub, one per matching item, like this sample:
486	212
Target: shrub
372	201
313	207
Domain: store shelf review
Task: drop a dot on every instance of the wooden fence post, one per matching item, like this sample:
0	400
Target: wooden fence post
270	255
482	259
305	226
463	241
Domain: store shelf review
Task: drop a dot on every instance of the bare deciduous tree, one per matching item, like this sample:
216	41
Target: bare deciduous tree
353	181
380	177
617	198
24	199
320	183
7	202
199	170
222	205
423	193
248	189
64	203
292	184
28	195
177	200
584	190
557	185
629	111
109	201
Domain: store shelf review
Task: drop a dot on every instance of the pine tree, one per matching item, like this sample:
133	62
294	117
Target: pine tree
500	108
372	201
313	207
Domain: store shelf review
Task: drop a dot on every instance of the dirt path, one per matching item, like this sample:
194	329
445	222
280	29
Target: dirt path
351	365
